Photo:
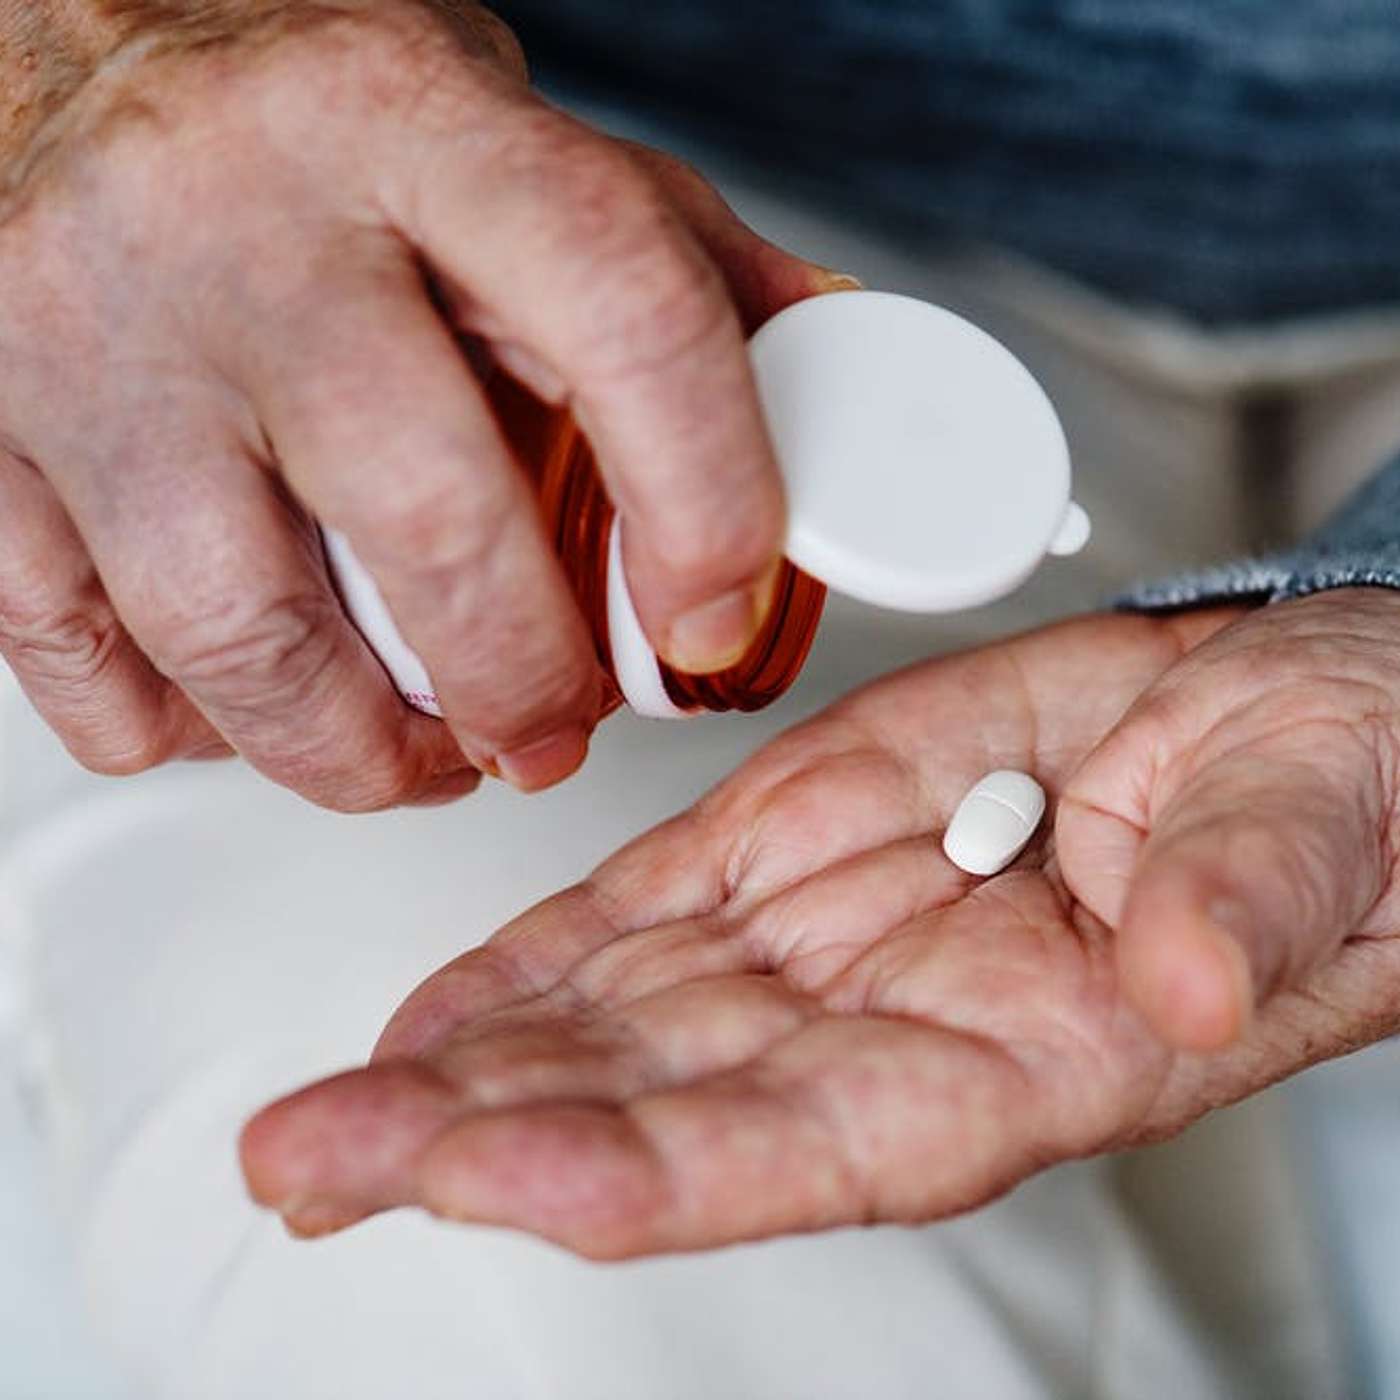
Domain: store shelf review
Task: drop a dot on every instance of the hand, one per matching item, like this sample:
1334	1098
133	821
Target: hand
236	267
785	1010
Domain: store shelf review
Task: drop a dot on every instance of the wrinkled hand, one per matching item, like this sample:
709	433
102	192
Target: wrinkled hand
785	1010
235	266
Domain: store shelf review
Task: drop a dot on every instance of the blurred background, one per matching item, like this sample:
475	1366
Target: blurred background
1226	369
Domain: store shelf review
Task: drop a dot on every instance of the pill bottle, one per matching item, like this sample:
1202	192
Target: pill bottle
582	526
925	471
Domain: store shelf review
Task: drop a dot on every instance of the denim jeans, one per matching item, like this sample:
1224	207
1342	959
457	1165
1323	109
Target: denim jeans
1232	160
1359	546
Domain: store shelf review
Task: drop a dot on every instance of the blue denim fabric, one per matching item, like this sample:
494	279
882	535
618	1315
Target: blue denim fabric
1357	547
1234	160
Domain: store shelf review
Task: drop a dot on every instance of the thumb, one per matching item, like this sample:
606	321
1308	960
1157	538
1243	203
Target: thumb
1250	873
762	277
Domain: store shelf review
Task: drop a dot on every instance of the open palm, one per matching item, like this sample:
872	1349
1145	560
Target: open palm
785	1009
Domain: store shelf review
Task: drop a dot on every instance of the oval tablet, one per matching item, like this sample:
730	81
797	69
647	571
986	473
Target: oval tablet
994	822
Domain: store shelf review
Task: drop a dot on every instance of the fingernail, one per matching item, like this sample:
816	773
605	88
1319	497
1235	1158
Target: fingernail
1233	922
1211	995
840	282
715	635
545	762
309	1219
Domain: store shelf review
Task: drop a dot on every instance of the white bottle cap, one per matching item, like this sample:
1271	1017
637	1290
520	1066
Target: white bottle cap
926	469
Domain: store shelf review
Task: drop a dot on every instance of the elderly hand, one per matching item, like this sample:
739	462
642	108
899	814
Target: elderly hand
785	1010
237	255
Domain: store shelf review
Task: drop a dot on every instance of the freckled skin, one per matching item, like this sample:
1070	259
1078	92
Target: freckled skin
785	1010
46	50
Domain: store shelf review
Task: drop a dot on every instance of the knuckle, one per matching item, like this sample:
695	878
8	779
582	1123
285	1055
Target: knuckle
68	644
66	667
675	307
602	193
545	152
396	53
338	773
379	774
703	536
542	700
664	303
712	537
435	42
416	64
645	291
367	792
543	675
65	654
585	190
269	657
434	530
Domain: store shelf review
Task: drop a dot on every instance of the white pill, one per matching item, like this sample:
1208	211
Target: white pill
994	822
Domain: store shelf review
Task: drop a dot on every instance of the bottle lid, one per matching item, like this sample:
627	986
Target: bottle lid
926	470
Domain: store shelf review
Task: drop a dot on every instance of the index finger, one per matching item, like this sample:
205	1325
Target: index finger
564	246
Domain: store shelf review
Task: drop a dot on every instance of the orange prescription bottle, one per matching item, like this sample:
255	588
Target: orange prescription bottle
580	520
925	470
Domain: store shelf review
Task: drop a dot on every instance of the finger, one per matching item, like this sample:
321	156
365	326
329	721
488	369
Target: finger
300	1153
234	605
762	277
608	1176
76	662
675	1003
558	240
1238	882
814	1134
1103	809
346	1147
383	432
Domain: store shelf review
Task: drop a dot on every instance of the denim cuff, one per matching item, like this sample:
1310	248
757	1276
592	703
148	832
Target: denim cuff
1358	547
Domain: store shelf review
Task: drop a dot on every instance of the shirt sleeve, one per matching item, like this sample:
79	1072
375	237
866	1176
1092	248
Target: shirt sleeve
1358	547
